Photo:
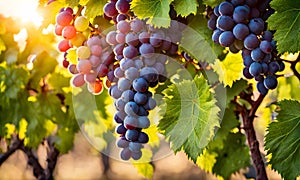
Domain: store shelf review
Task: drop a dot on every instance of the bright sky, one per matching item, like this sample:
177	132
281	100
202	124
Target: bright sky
24	9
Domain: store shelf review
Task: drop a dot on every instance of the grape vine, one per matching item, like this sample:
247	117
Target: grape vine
210	78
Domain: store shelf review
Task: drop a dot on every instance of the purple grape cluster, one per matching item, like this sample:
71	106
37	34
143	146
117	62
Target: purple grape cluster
141	52
240	25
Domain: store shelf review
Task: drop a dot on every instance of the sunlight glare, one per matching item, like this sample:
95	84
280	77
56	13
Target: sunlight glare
22	9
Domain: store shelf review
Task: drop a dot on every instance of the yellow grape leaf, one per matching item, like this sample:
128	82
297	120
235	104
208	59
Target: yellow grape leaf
72	56
230	69
22	128
143	165
153	137
206	160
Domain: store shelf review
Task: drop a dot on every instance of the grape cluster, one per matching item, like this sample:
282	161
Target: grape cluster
94	56
240	25
141	51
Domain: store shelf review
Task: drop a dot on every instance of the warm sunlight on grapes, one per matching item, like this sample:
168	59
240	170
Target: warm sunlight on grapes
25	10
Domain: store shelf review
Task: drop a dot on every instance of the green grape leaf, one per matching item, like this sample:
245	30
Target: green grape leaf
83	2
229	70
42	65
212	3
142	165
191	115
2	46
196	41
237	87
288	88
58	81
65	139
282	140
185	7
94	8
72	3
286	22
234	155
156	11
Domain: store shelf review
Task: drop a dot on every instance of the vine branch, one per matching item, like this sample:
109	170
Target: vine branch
248	117
293	66
17	144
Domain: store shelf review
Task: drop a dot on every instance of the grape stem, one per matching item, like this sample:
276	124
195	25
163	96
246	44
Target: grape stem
293	66
248	117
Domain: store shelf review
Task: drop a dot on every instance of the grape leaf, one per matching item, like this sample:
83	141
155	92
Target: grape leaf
156	11
43	64
72	3
229	70
196	41
283	139
288	88
185	7
94	8
58	81
142	165
212	3
191	116
83	2
286	22
2	46
237	87
234	155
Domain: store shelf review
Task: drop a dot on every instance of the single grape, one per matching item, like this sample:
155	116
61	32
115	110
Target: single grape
267	35
149	73
132	39
63	45
240	31
94	40
211	24
142	112
146	50
251	42
255	69
130	52
241	14
111	38
281	65
84	66
156	39
120	104
136	155
137	25
216	10
225	23
132	135
270	82
127	95
261	88
226	38
265	46
143	122
77	80
246	73
151	104
124	84
64	18
78	40
83	52
110	9
126	63
81	23
140	98
274	67
131	108
265	68
144	37
69	32
125	154
58	29
143	138
256	26
122	6
257	54
216	35
226	8
140	85
131	73
121	17
90	77
121	129
119	116
122	142
115	92
130	122
247	60
123	27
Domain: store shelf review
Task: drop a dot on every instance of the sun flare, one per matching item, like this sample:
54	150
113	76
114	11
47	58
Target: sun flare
25	10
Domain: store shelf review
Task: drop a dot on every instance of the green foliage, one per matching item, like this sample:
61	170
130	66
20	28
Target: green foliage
191	116
282	140
94	8
212	3
185	7
227	149
156	10
286	22
196	40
